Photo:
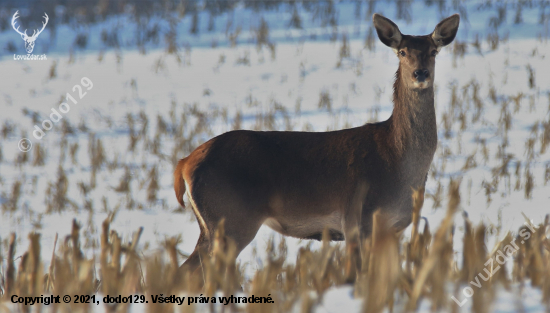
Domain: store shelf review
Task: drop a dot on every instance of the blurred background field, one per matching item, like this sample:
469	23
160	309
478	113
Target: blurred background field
169	75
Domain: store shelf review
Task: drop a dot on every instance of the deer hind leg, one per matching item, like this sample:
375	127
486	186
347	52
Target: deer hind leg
242	220
239	232
193	262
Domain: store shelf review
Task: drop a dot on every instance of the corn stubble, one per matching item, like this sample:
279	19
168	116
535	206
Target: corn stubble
391	273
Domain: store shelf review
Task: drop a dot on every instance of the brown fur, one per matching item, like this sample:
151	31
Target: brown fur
179	183
300	183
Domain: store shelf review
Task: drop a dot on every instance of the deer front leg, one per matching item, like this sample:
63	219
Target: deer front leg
354	232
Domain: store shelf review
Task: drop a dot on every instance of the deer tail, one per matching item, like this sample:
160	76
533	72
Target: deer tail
179	183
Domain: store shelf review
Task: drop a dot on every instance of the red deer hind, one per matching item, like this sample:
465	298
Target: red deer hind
298	183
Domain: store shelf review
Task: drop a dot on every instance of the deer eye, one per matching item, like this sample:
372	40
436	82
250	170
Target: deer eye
434	53
402	53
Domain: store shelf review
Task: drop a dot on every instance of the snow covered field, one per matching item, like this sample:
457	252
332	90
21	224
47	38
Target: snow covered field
143	109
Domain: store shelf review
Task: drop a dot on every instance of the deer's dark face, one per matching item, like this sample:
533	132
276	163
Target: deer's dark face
417	61
416	53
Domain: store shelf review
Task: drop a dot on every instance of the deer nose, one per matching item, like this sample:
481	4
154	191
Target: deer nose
421	75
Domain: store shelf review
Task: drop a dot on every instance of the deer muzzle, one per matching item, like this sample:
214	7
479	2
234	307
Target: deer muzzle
421	75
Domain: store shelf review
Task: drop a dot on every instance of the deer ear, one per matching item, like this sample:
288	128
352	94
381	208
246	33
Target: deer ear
445	32
387	31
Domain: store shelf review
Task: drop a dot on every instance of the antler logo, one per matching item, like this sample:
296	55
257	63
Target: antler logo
29	40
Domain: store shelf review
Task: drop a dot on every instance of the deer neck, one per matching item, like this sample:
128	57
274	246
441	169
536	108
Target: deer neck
412	124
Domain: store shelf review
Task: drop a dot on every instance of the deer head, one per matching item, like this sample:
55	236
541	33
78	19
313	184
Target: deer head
29	40
416	53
